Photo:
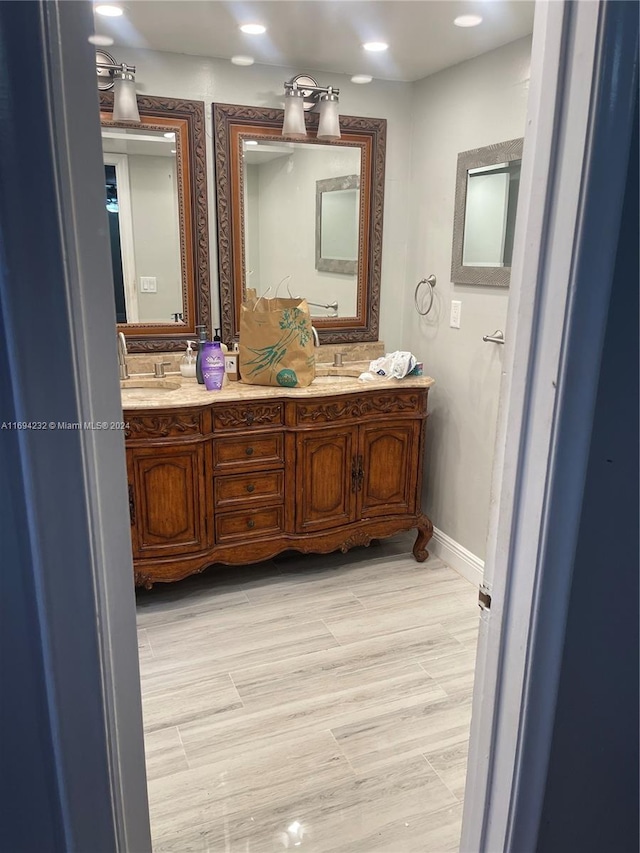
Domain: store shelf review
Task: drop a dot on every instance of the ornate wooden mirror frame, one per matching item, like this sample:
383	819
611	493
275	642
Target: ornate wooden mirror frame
186	120
233	123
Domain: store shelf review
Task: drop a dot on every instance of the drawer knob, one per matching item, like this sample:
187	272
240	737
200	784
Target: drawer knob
251	487
249	451
251	524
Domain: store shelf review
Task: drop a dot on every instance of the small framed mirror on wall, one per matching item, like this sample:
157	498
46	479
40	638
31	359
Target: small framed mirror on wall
487	186
156	200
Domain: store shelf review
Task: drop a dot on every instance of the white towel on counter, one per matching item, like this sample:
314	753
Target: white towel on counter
394	364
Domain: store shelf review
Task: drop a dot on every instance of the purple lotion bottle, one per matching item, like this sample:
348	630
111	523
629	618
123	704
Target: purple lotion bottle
212	365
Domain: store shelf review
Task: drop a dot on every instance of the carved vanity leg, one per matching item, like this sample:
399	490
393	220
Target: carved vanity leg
425	532
143	580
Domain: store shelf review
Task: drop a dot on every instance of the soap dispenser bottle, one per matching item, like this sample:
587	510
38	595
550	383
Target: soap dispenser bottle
202	340
188	363
218	339
213	366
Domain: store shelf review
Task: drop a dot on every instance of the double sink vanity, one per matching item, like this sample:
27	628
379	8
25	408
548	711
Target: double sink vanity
242	474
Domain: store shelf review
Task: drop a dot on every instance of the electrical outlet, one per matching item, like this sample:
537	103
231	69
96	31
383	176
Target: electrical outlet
456	311
148	284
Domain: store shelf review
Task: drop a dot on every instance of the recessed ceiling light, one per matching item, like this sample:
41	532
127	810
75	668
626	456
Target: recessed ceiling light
169	136
250	142
242	60
361	78
467	20
253	29
375	46
100	41
109	11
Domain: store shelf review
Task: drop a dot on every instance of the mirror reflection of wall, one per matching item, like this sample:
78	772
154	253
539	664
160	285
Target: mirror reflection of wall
490	214
142	205
280	220
339	225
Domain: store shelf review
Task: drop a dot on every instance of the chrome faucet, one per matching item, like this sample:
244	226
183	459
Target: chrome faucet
122	357
316	339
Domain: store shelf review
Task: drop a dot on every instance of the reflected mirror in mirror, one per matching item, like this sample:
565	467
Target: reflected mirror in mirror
490	215
301	216
141	182
337	224
487	186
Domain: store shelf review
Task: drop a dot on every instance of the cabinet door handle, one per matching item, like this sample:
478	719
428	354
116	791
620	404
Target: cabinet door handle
132	505
251	487
251	524
354	473
359	474
249	451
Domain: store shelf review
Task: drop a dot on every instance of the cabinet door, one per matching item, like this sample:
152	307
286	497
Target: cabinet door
168	503
388	464
325	488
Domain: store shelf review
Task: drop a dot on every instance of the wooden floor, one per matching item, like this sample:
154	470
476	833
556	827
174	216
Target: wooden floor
317	702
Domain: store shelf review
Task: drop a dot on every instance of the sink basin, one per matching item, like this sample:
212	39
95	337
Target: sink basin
149	385
139	390
333	380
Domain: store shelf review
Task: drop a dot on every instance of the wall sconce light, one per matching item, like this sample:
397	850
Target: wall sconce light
120	77
303	93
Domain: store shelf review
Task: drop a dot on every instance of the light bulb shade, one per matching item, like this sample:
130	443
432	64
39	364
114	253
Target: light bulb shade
329	123
125	103
293	126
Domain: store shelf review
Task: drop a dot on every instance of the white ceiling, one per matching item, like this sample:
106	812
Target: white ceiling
151	143
324	35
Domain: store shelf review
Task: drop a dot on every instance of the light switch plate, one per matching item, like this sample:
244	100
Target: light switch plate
456	311
148	284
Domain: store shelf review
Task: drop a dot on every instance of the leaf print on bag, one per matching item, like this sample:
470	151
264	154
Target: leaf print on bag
297	321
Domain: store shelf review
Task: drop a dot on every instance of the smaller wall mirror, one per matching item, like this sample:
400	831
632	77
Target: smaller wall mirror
337	224
487	186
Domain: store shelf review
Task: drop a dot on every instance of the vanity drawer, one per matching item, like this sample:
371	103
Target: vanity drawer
369	406
248	415
181	423
257	452
242	524
249	488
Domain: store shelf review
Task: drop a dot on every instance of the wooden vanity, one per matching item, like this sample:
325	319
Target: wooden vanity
243	474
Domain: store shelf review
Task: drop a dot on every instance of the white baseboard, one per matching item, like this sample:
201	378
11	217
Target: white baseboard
453	554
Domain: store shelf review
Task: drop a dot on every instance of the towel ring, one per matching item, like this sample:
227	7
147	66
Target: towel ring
431	281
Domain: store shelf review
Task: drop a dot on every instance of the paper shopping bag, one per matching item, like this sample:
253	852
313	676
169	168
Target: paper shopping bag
276	343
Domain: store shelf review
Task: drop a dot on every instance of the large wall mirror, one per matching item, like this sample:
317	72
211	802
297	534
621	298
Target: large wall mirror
156	200
306	211
487	186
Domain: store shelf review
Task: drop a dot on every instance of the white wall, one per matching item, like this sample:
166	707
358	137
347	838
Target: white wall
156	237
476	103
178	76
252	213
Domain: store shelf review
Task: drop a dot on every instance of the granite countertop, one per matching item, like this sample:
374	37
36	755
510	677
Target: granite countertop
175	391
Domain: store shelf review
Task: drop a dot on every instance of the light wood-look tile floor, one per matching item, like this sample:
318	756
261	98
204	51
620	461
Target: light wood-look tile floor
315	702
